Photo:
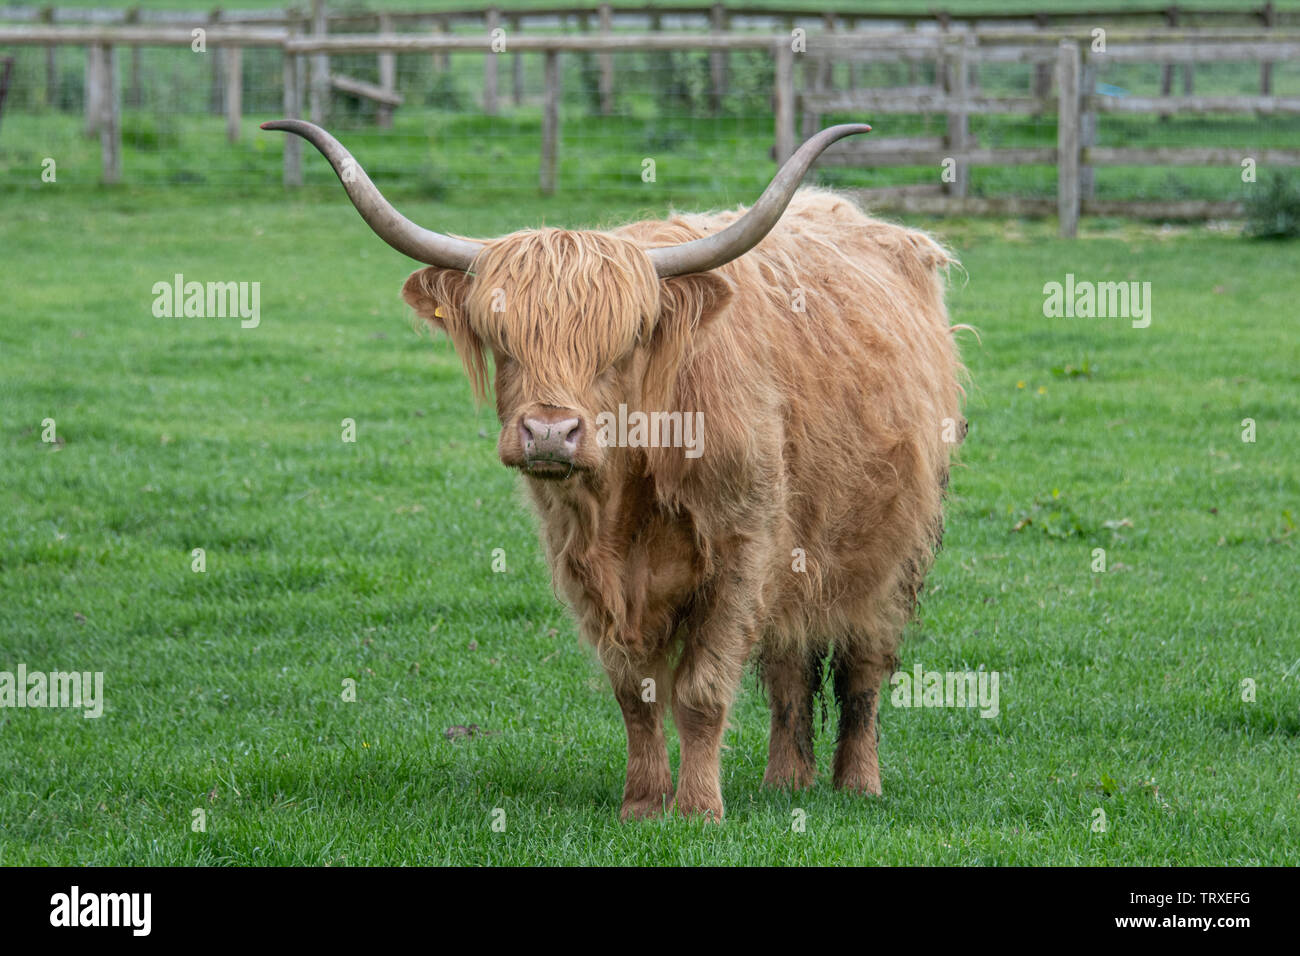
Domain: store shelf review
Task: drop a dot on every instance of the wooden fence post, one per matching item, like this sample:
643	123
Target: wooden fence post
320	65
110	124
234	91
912	70
717	59
783	101
1067	138
826	68
300	63
218	80
551	123
387	75
958	119
1087	123
1167	71
1042	70
51	63
605	62
441	58
1269	16
516	66
6	74
584	58
942	63
809	118
811	70
94	77
661	61
851	25
134	94
292	110
493	19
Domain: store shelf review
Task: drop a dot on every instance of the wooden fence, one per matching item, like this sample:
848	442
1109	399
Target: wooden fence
956	95
717	17
1075	68
314	17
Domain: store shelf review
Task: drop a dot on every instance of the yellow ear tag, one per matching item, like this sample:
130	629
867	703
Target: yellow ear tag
437	313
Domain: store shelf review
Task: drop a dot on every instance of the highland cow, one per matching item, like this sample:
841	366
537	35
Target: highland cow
813	348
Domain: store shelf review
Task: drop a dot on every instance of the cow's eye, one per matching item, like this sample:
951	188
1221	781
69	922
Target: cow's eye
607	376
506	367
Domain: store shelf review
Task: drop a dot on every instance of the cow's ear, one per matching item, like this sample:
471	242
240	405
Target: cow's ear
438	296
686	305
693	301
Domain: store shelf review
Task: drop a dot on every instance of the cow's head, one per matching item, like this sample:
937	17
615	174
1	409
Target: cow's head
577	323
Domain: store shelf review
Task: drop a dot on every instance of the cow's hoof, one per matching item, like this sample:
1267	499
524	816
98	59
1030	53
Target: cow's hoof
645	808
867	785
709	808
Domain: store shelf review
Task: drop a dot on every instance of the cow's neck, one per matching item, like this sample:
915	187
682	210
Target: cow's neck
596	530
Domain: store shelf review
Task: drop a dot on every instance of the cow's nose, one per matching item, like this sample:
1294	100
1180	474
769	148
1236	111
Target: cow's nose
546	439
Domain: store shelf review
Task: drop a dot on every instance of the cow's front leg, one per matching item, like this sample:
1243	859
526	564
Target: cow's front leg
649	786
704	686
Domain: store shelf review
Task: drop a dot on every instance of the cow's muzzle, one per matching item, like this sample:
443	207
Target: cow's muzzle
550	439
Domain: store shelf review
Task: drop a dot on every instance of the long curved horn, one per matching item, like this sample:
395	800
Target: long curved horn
701	255
390	225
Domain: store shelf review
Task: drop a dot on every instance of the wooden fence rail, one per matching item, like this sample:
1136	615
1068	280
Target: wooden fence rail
849	15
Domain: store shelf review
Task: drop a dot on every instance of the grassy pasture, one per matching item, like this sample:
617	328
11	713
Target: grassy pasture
1121	691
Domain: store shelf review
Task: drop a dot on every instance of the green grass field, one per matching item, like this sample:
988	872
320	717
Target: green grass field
371	561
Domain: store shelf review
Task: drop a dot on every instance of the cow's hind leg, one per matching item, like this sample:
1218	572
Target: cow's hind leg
648	789
858	677
792	678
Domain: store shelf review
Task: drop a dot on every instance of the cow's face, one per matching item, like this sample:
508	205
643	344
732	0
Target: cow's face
578	323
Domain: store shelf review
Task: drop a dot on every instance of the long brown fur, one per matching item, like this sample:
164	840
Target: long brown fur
823	438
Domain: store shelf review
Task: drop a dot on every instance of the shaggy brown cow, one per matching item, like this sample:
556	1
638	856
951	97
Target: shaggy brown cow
821	369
